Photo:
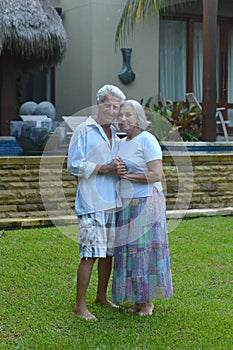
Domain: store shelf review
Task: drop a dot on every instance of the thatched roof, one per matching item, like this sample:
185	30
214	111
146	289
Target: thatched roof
31	31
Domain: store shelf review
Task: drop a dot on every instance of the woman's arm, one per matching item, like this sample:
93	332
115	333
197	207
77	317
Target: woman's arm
154	173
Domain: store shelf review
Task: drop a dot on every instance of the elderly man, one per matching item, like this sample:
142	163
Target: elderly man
92	149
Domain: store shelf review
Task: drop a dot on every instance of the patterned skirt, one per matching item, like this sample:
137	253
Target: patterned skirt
141	257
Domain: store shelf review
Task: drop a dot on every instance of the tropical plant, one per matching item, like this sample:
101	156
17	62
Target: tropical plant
174	121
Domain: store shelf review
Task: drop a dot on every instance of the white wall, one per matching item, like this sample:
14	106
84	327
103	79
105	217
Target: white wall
91	60
107	62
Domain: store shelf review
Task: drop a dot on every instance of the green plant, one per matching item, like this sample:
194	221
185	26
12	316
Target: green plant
182	121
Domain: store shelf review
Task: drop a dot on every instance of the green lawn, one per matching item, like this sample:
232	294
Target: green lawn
38	270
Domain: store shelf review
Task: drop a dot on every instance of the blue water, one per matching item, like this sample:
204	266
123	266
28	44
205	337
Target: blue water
213	148
10	148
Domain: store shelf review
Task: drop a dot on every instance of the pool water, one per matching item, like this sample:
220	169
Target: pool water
9	147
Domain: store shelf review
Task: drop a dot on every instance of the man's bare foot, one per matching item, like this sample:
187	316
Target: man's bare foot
146	309
135	308
107	303
84	314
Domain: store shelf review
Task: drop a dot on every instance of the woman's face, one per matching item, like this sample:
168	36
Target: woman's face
127	119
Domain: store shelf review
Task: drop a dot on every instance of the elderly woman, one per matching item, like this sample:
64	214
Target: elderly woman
142	259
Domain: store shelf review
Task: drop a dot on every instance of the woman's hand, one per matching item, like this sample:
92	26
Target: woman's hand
154	173
120	166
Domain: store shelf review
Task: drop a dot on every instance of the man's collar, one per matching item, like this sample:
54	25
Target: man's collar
91	121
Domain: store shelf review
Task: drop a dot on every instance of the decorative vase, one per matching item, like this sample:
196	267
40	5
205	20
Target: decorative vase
126	74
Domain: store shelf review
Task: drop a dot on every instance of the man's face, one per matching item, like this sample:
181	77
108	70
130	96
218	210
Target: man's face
108	109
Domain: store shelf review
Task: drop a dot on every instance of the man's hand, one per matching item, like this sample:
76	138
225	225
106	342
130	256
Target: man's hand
108	169
117	166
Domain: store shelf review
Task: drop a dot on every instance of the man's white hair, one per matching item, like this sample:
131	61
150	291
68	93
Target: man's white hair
109	89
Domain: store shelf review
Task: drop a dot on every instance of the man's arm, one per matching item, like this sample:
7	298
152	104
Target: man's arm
111	168
76	162
79	166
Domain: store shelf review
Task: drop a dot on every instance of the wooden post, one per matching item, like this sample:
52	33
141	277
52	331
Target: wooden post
210	11
7	95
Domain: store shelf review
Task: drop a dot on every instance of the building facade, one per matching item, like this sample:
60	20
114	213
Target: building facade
167	56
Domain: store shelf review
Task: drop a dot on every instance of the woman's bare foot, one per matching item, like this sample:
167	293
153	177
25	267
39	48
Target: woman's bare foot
84	313
135	308
107	303
146	309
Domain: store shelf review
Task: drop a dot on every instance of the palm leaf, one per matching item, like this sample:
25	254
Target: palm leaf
136	10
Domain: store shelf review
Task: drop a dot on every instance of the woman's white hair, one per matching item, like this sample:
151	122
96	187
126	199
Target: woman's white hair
109	89
139	112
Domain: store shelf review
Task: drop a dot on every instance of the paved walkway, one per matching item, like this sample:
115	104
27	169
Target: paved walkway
11	224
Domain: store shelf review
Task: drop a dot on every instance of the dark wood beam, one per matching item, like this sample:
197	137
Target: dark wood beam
7	95
190	55
52	88
210	11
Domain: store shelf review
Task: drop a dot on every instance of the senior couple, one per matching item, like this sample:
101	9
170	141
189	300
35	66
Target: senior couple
120	207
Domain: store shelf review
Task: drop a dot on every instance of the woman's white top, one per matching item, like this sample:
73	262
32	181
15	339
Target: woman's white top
136	153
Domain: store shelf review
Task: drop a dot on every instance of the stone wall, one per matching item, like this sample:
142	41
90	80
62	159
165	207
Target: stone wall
202	180
35	187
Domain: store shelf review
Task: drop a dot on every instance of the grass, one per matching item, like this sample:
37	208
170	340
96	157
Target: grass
38	269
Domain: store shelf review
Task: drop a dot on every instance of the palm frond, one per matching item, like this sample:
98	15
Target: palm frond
133	12
136	10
